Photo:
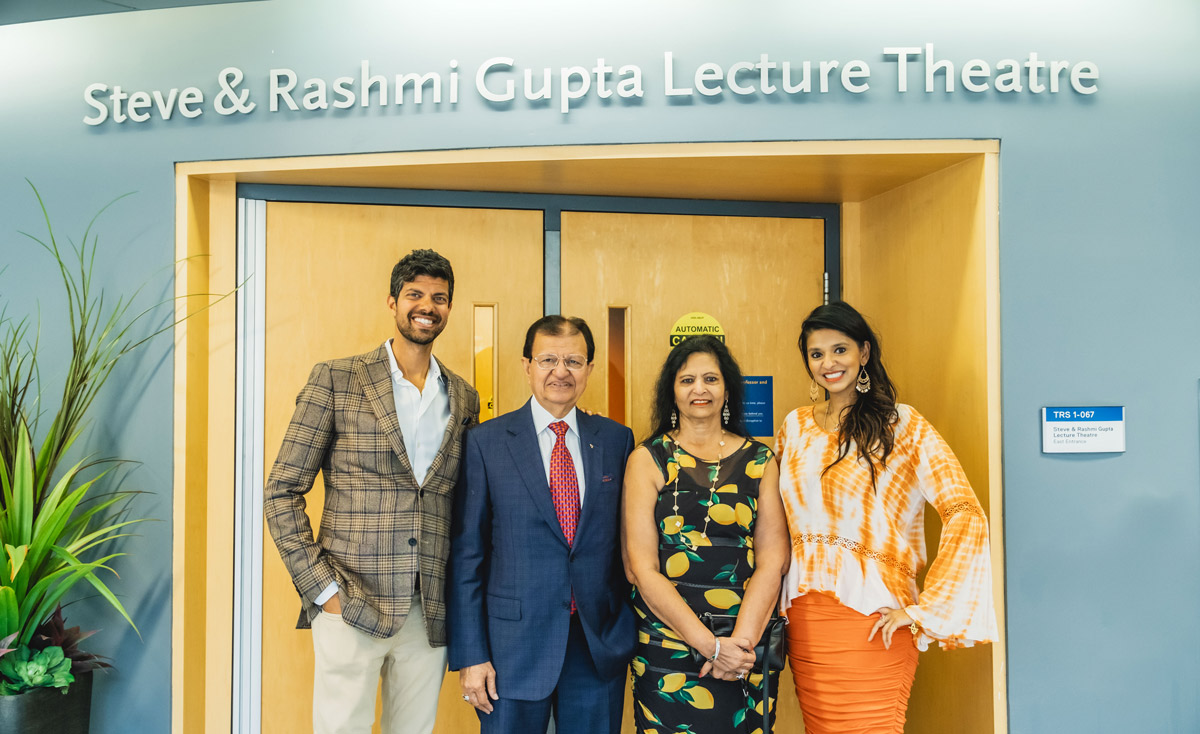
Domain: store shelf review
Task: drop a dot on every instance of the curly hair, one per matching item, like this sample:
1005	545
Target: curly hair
417	263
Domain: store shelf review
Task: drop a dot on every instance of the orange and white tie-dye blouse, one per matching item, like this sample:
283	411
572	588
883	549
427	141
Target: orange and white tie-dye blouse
865	547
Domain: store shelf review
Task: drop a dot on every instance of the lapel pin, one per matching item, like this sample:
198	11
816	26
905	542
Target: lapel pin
590	446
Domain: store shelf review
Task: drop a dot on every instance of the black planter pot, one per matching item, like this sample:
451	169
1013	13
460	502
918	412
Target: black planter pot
49	711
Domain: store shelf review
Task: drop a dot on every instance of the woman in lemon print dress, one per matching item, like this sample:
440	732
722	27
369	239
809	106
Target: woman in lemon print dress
856	472
704	532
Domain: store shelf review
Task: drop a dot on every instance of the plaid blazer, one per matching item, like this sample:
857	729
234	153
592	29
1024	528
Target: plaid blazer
379	528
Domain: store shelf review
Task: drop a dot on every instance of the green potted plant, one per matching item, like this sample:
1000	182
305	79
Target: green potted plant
58	522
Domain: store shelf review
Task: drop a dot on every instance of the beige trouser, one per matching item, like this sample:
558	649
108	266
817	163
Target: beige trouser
349	664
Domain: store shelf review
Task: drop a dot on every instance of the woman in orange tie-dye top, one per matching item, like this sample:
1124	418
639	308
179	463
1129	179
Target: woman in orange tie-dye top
855	474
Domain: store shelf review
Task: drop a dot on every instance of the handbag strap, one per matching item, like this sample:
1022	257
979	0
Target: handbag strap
768	710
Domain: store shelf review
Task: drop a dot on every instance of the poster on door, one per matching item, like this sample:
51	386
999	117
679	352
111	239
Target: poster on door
758	405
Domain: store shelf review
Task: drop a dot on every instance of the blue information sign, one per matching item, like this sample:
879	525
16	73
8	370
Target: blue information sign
1072	415
1083	430
759	405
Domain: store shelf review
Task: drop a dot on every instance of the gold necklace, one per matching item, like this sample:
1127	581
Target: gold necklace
712	491
825	420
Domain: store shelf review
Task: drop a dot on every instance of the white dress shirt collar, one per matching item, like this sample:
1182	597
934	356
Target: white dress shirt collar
435	372
542	418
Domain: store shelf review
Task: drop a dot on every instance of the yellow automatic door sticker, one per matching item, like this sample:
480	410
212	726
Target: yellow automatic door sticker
695	324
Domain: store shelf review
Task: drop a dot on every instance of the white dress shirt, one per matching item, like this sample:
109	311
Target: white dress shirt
546	438
423	416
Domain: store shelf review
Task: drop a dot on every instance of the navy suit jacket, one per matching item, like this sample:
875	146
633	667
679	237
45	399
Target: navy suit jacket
511	571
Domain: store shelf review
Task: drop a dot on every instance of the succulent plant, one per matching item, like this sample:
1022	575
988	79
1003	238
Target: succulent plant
24	668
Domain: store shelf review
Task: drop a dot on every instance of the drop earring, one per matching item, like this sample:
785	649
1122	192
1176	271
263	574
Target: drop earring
674	419
725	413
864	380
814	392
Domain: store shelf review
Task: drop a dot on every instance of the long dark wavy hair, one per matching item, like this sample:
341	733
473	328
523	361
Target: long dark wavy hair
664	387
870	421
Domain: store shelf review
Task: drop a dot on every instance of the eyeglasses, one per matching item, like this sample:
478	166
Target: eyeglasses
573	362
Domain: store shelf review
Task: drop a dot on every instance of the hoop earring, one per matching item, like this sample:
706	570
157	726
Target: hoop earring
814	392
725	413
674	419
864	380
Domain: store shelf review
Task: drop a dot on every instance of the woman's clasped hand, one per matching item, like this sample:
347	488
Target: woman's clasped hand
734	660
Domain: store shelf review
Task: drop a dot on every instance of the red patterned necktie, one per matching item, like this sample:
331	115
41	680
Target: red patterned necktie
564	483
564	487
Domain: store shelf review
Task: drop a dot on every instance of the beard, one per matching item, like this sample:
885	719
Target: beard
413	333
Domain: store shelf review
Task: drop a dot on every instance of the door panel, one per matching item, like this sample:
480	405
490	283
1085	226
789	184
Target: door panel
328	273
759	277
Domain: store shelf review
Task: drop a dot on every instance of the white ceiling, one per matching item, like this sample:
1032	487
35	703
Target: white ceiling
24	11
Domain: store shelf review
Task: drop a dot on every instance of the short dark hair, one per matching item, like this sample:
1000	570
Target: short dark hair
731	373
557	325
417	263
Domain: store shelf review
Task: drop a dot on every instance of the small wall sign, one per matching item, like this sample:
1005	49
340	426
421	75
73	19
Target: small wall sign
1089	430
758	404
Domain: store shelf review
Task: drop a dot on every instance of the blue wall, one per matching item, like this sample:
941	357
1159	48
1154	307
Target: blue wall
1099	262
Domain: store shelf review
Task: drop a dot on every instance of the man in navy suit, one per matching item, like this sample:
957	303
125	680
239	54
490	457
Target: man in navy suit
539	623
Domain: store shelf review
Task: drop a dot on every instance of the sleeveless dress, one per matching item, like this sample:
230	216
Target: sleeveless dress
706	548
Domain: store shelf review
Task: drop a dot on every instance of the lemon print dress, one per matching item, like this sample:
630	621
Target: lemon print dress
706	548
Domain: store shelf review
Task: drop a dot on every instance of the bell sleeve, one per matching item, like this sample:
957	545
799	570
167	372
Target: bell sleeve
956	607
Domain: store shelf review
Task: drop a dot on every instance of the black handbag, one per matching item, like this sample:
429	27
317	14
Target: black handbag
770	652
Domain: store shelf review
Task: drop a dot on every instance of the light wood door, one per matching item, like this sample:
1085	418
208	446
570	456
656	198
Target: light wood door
917	266
328	272
759	277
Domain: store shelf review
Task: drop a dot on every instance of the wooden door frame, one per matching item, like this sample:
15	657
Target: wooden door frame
205	361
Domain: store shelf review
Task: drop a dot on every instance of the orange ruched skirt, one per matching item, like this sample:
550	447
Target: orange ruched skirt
845	684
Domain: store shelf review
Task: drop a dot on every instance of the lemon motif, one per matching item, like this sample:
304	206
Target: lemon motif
722	598
754	470
677	565
723	514
699	503
745	515
649	714
701	698
672	682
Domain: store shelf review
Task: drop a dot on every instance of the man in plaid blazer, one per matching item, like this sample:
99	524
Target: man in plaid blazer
385	429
